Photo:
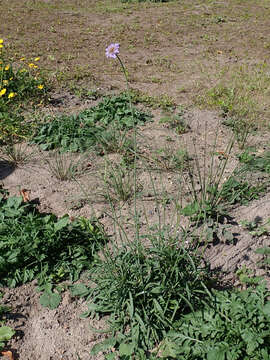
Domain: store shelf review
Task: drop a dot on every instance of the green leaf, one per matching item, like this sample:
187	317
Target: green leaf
110	356
266	309
14	201
228	235
126	349
50	299
130	305
61	223
6	333
157	290
190	209
79	290
169	350
216	354
103	346
263	251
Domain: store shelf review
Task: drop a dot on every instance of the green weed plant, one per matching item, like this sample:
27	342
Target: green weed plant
239	191
234	325
92	127
168	159
42	246
175	121
6	332
253	162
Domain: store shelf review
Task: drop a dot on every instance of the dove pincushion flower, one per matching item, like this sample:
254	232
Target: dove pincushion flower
112	51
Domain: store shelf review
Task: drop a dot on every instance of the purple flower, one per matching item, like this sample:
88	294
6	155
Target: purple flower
112	51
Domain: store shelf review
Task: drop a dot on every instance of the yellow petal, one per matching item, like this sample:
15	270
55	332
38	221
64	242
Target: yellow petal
2	92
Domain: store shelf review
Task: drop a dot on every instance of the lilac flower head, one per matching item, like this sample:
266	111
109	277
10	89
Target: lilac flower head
112	50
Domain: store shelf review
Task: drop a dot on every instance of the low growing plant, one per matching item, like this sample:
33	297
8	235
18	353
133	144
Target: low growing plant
253	162
91	127
18	84
234	325
13	127
176	121
236	190
169	159
39	245
6	332
257	227
265	252
162	101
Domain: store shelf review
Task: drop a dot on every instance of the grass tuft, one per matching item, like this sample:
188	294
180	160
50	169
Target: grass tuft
145	290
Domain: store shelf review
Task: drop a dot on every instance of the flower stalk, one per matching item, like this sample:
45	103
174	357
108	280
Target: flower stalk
112	51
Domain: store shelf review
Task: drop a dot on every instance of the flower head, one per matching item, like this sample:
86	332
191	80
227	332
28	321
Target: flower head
37	58
40	86
7	67
11	95
3	91
112	51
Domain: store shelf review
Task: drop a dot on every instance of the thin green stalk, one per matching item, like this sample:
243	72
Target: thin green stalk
135	151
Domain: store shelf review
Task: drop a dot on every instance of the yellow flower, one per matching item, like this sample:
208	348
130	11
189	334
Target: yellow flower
31	65
11	79
40	86
37	59
3	91
7	67
1	46
22	59
5	82
1	41
11	95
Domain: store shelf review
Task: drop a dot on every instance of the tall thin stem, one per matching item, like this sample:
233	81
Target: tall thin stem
136	225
